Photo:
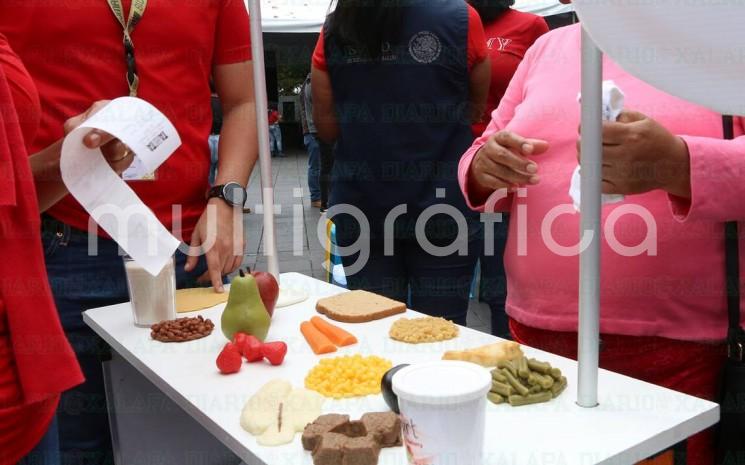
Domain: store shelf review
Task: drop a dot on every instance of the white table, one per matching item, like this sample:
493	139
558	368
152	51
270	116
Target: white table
198	418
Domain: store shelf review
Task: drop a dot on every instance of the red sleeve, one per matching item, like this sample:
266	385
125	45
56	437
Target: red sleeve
477	51
319	54
22	90
232	37
540	27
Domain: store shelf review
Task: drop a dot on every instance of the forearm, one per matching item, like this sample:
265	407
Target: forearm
324	111
475	197
238	149
327	127
45	168
480	79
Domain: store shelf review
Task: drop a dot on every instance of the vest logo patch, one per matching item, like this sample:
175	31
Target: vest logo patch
425	47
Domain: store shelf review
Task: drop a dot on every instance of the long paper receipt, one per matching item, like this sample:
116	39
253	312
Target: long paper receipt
105	195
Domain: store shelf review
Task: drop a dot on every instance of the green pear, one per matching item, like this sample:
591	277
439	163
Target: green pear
245	311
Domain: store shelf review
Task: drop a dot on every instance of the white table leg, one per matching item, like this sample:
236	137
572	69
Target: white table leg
148	427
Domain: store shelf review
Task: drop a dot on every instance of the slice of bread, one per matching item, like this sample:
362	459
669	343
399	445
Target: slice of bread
358	307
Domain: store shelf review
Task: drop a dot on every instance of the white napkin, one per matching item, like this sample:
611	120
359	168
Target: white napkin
612	106
105	195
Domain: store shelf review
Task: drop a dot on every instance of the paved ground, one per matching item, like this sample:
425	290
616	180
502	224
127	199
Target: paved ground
290	176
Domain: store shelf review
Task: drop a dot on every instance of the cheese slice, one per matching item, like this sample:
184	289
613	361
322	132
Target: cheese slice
260	412
277	412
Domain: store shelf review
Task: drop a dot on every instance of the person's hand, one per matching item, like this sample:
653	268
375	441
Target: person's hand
116	153
640	155
502	163
219	235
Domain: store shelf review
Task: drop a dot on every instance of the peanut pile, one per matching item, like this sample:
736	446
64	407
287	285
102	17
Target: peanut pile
182	329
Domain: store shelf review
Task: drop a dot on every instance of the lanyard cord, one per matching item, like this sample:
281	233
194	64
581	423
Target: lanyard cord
136	11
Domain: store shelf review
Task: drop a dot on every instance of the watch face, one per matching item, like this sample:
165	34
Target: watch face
234	194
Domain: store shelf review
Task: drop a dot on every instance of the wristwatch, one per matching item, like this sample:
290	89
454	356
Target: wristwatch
232	193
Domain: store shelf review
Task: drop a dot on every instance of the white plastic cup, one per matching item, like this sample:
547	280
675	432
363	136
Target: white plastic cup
443	412
153	298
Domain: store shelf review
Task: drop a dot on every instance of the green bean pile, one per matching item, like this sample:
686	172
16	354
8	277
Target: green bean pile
525	381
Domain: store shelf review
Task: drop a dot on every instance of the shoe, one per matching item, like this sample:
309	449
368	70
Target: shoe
324	209
315	204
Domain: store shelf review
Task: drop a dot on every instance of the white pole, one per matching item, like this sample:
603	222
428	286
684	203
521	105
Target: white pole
287	295
589	266
262	125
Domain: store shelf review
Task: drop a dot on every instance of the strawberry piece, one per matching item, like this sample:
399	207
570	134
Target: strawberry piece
252	349
274	352
229	361
239	339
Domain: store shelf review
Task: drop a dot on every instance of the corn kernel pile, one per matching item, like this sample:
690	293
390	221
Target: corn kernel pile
347	376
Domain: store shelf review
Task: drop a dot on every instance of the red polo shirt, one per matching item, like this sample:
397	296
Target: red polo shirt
75	55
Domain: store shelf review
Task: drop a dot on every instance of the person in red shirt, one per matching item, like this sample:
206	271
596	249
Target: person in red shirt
275	132
509	33
32	376
273	116
76	55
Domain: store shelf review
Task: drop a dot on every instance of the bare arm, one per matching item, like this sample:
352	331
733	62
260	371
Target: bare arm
47	177
45	164
237	154
238	148
324	113
479	81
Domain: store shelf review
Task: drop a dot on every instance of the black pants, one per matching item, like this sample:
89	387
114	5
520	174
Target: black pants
493	288
327	164
437	286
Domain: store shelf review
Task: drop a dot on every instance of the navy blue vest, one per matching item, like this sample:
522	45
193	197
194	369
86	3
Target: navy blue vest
403	119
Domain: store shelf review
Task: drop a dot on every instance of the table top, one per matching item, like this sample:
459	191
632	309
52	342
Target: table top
633	421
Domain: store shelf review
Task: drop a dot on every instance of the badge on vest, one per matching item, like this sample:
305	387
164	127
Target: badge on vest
425	47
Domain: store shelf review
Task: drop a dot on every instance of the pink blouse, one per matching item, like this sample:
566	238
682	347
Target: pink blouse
675	286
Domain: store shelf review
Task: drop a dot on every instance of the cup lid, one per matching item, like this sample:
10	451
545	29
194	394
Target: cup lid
442	382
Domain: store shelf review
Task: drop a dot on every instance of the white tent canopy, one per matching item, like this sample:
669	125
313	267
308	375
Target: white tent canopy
298	16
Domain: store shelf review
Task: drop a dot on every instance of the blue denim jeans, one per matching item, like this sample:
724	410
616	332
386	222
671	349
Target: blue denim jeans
47	450
275	139
79	282
214	141
314	166
436	286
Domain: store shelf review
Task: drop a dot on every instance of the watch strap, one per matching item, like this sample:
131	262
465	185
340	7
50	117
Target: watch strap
216	191
219	192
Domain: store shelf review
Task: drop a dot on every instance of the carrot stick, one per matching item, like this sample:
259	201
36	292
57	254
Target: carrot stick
337	335
316	339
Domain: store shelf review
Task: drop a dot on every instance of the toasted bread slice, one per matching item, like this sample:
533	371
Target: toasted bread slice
488	355
358	307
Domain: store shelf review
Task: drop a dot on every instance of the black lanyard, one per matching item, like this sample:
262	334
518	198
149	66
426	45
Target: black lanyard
136	11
